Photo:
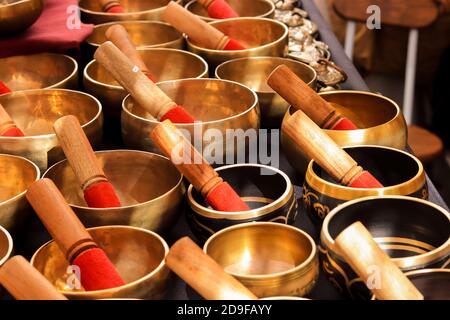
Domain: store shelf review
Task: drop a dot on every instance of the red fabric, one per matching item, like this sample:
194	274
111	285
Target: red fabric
224	198
178	115
151	77
366	181
101	195
220	9
50	33
96	270
234	45
345	124
13	132
116	9
4	88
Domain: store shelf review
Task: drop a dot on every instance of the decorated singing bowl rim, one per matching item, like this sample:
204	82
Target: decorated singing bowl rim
242	215
93	293
292	273
50	135
10	245
146	153
189	125
264	46
417	260
348	193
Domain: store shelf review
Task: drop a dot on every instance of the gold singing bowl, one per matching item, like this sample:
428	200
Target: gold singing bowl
17	174
221	105
6	245
137	254
149	187
18	15
39	71
270	259
244	8
380	119
164	65
263	37
253	73
35	111
151	10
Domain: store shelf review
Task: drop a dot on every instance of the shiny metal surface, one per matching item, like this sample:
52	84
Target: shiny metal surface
18	15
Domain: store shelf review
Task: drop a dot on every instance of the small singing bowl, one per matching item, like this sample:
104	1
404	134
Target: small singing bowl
254	71
137	254
244	8
17	175
379	117
262	37
270	259
415	233
221	105
400	172
39	71
149	187
164	65
18	15
266	190
35	111
150	10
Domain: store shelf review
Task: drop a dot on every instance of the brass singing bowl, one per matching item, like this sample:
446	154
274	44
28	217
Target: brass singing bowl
150	10
39	71
221	105
380	118
35	111
253	73
263	37
137	254
270	259
415	233
6	245
149	187
18	15
244	8
17	174
400	172
163	64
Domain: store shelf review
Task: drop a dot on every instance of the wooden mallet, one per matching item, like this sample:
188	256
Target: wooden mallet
7	126
218	9
111	6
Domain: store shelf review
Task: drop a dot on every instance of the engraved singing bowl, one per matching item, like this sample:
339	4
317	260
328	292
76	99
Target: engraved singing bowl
415	233
17	174
163	64
244	8
138	255
39	71
150	10
400	172
270	259
149	187
266	190
254	71
18	15
221	105
35	111
381	118
263	38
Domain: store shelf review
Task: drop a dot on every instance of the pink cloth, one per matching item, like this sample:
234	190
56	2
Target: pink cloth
50	33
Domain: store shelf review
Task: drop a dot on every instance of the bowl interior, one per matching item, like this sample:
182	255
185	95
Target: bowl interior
244	8
259	249
434	285
403	228
134	175
129	5
35	111
17	175
37	71
134	252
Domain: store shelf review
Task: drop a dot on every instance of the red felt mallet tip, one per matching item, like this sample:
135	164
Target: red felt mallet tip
4	88
233	45
111	6
220	9
13	132
224	198
178	115
366	181
101	195
344	124
116	9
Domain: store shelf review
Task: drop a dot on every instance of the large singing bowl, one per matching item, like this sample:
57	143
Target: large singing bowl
18	15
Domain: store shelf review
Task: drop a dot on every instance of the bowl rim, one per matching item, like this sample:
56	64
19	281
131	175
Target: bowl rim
52	135
87	76
22	194
347	193
125	286
146	153
303	265
405	263
225	63
10	245
254	105
257	212
124	14
273	21
20	2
